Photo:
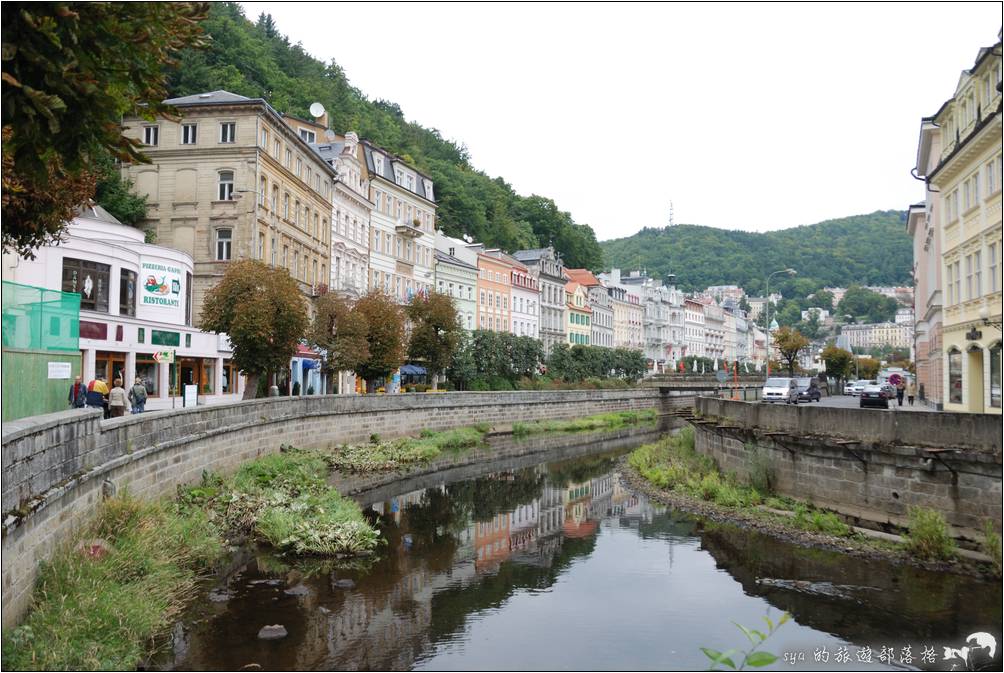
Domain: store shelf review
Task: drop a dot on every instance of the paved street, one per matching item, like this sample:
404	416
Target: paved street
851	402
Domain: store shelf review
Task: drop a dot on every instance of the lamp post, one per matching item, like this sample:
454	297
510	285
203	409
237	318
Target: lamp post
857	372
790	272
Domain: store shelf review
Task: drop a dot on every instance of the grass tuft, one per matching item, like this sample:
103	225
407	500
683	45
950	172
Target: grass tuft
929	537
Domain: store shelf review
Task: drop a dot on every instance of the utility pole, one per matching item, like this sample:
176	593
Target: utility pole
672	222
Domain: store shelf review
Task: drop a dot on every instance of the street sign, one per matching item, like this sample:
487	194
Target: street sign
164	357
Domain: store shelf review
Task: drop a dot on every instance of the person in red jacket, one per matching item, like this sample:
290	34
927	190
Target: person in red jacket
78	394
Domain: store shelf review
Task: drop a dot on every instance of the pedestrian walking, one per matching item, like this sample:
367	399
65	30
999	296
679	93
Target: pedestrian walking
98	387
78	394
911	391
117	400
137	396
900	390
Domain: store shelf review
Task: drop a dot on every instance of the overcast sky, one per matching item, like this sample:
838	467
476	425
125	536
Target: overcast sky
751	117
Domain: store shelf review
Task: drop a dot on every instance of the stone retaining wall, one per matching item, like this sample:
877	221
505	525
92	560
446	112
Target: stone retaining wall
56	467
866	464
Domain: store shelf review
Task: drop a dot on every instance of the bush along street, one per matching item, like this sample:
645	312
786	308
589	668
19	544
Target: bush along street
671	470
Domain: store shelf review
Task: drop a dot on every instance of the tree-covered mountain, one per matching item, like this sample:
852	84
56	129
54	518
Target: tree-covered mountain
255	60
871	249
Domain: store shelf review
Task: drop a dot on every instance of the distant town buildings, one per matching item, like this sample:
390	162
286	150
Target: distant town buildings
876	335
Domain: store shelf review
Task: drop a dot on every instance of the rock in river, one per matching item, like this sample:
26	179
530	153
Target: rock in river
272	632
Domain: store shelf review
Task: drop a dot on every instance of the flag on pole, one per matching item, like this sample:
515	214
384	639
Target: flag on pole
716	364
695	366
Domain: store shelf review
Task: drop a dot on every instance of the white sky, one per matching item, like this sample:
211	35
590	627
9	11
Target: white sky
751	117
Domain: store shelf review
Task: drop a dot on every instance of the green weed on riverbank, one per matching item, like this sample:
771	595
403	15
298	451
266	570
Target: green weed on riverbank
102	610
609	421
284	499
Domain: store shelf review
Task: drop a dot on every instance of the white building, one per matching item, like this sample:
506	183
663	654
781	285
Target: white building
457	277
822	315
403	219
546	266
876	335
693	328
663	328
350	216
136	300
525	304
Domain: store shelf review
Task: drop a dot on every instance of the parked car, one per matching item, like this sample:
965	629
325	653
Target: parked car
777	389
808	389
860	385
875	395
849	387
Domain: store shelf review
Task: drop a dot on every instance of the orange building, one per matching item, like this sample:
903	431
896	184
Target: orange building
494	292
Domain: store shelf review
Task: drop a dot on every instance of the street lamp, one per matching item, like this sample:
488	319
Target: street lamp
790	272
985	318
857	372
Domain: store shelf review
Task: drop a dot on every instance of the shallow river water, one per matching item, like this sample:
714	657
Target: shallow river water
551	563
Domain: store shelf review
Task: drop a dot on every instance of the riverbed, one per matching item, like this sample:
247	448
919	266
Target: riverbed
550	562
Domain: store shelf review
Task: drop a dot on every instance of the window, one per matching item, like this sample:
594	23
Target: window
992	266
955	376
262	190
296	214
189	134
969	276
277	150
225	186
89	280
995	375
378	200
977	274
261	246
151	135
378	164
285	206
264	139
229	377
289	158
285	256
223	242
275	251
127	292
228	132
299	167
308	136
146	369
958	282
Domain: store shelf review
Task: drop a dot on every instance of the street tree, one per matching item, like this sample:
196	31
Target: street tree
463	368
868	367
838	362
435	331
71	71
262	311
341	331
385	337
790	342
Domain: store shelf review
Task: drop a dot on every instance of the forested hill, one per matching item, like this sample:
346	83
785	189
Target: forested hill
871	249
253	59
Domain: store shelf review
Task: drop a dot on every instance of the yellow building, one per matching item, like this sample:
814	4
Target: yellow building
967	186
578	328
230	180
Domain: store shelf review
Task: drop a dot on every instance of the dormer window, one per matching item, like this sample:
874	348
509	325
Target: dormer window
378	164
151	135
308	136
399	177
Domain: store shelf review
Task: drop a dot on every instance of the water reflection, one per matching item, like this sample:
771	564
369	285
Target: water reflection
558	565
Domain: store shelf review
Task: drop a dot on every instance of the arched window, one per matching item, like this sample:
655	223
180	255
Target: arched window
995	375
224	239
226	186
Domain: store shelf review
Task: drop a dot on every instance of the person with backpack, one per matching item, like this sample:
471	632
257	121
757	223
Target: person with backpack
137	396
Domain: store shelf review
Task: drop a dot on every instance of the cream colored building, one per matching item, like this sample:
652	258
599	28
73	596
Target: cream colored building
403	225
876	335
966	182
229	180
628	318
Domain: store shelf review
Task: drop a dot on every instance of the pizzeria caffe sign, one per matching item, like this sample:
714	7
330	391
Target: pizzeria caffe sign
160	285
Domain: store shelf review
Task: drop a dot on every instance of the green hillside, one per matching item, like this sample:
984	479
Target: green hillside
871	249
253	59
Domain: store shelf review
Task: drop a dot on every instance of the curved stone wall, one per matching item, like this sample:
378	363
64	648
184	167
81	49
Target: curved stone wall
57	467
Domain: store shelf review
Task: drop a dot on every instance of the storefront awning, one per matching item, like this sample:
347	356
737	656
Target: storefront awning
412	370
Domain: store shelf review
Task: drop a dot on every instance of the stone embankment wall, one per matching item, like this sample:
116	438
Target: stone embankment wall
866	464
57	467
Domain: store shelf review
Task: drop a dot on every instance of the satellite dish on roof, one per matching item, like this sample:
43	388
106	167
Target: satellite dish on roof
329	135
316	110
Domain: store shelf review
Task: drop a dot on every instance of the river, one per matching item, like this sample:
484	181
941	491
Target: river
550	563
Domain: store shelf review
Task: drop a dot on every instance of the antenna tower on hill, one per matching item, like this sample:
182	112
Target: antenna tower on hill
671	220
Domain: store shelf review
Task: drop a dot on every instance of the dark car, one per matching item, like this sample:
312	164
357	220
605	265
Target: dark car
808	389
874	395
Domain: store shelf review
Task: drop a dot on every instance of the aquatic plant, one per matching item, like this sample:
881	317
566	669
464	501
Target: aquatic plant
992	544
754	656
608	421
928	536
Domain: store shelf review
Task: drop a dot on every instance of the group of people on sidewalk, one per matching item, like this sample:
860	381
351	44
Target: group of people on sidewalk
112	401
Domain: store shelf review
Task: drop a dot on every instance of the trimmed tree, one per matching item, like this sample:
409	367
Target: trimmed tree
790	342
71	71
384	335
264	314
341	331
838	362
435	331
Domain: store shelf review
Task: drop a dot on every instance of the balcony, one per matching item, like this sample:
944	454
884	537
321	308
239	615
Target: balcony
409	230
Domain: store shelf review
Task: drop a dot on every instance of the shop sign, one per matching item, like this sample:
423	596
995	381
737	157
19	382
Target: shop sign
164	357
161	285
